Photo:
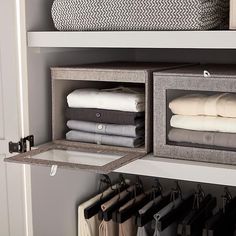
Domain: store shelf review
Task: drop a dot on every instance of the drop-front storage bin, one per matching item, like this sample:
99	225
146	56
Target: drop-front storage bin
85	134
195	113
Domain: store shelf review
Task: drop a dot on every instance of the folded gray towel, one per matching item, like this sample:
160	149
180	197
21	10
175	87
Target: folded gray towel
112	140
203	137
111	129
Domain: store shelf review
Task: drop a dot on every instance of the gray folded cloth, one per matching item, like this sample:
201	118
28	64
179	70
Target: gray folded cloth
105	116
203	137
112	140
111	129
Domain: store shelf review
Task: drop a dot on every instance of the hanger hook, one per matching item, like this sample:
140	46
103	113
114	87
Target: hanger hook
198	197
139	183
226	198
107	181
122	180
53	170
176	191
157	188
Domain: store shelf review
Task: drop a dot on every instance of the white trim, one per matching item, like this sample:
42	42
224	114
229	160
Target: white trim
182	170
24	108
28	200
135	39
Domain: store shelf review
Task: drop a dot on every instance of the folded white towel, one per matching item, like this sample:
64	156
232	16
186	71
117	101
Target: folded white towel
122	99
221	104
204	123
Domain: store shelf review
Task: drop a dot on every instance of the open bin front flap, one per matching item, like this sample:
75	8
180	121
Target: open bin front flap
92	159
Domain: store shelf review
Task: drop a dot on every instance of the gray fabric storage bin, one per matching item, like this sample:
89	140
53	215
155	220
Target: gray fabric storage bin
89	156
108	75
171	84
96	15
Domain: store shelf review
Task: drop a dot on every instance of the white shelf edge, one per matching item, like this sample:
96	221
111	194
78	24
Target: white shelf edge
135	39
182	170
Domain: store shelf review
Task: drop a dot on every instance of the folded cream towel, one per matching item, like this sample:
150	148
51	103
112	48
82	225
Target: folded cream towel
121	99
204	123
221	104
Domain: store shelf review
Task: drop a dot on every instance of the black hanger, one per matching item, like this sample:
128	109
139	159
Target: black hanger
107	215
223	222
143	219
196	224
198	202
95	208
225	226
213	223
122	216
177	213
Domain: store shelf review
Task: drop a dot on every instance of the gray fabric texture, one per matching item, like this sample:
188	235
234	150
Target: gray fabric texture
112	140
110	129
203	137
146	230
105	116
94	15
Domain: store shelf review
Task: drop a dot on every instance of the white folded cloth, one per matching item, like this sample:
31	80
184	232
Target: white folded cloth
221	104
204	123
120	98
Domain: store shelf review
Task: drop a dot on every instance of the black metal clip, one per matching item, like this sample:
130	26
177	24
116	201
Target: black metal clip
21	146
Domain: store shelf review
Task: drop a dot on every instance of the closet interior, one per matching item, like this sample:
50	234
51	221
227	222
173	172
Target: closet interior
55	200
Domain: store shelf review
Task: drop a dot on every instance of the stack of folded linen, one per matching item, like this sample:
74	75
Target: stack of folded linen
204	119
108	116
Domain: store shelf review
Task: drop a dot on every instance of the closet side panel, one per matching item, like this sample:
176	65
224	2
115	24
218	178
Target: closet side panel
56	199
39	15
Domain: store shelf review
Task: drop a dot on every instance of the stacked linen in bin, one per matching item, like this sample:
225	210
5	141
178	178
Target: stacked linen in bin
108	116
204	119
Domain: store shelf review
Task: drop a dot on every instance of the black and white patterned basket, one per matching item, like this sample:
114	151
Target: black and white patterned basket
110	15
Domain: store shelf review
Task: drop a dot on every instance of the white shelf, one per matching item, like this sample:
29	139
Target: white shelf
182	170
135	39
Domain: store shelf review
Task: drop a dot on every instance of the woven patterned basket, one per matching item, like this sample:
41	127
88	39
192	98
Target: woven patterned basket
111	15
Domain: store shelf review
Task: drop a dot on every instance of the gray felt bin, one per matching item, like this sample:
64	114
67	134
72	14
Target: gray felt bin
170	84
87	156
107	75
